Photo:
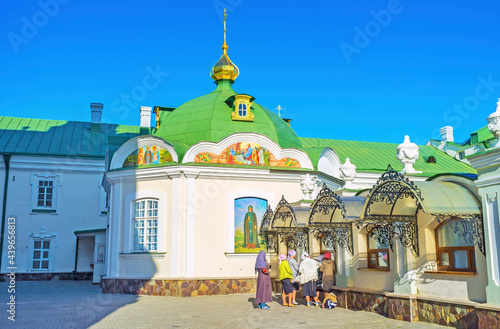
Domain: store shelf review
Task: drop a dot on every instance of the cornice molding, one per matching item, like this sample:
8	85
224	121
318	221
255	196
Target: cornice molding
198	172
484	160
54	164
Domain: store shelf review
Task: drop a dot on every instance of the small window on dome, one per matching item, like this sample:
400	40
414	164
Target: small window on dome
431	159
242	110
242	107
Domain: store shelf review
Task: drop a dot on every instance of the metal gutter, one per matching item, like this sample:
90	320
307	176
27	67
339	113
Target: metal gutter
6	159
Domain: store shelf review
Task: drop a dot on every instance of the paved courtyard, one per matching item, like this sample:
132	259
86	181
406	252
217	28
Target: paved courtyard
67	304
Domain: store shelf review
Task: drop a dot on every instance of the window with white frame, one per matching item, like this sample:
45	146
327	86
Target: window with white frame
41	254
44	193
146	225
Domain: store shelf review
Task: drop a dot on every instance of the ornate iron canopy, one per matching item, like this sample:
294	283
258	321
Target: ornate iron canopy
387	227
284	216
322	222
284	223
327	201
469	227
391	187
266	233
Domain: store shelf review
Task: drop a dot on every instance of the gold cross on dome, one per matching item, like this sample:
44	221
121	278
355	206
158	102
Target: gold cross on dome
279	108
225	16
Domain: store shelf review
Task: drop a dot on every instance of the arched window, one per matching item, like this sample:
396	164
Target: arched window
378	255
242	110
146	225
453	252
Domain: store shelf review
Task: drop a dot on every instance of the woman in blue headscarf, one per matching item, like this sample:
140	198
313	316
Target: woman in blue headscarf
264	290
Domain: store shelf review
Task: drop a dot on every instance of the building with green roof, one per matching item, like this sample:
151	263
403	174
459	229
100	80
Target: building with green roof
196	196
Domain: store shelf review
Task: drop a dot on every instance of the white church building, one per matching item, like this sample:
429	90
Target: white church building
182	207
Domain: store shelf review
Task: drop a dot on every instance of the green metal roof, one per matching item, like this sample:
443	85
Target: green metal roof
374	157
58	137
481	135
208	118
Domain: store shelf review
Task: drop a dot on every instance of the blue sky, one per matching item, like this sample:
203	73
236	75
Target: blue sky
357	70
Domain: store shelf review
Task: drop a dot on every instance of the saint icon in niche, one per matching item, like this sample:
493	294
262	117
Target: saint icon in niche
248	213
251	239
147	156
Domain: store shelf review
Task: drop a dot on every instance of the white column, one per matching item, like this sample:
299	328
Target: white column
175	225
190	222
114	231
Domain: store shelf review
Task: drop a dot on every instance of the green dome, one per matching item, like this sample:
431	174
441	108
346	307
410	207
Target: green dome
208	118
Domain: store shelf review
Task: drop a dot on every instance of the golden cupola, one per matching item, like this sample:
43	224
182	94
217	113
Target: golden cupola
224	69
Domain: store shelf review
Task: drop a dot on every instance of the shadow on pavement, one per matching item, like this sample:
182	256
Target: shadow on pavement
59	304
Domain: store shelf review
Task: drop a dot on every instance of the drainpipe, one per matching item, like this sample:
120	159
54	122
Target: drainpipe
76	259
6	159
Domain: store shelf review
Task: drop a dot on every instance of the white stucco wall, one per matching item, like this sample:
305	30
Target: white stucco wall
78	208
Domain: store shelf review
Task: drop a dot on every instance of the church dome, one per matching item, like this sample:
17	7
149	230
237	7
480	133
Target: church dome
223	112
209	118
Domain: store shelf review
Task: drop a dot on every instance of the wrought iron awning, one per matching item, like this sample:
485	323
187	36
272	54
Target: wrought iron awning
390	211
327	221
392	205
266	233
284	223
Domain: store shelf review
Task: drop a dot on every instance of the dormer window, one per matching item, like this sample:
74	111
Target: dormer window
242	110
242	106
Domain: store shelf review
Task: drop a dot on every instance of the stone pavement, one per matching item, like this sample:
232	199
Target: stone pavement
79	304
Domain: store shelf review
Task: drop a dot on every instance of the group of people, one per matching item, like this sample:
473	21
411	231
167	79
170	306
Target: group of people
316	276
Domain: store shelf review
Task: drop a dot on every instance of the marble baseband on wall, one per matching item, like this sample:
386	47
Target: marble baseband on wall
413	308
77	276
178	288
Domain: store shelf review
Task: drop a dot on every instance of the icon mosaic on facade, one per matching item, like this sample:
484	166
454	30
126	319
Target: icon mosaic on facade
149	154
246	153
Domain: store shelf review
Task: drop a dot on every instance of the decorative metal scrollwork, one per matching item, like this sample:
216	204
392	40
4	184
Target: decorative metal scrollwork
467	226
326	201
335	233
266	220
330	233
268	236
381	233
294	238
387	230
399	188
271	240
391	187
283	212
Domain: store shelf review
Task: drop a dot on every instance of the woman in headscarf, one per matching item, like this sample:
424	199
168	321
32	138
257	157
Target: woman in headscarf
286	284
264	292
294	266
329	270
308	269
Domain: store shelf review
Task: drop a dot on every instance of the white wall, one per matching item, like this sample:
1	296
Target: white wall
78	207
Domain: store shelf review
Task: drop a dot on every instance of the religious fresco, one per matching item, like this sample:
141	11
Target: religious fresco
248	214
149	154
246	153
